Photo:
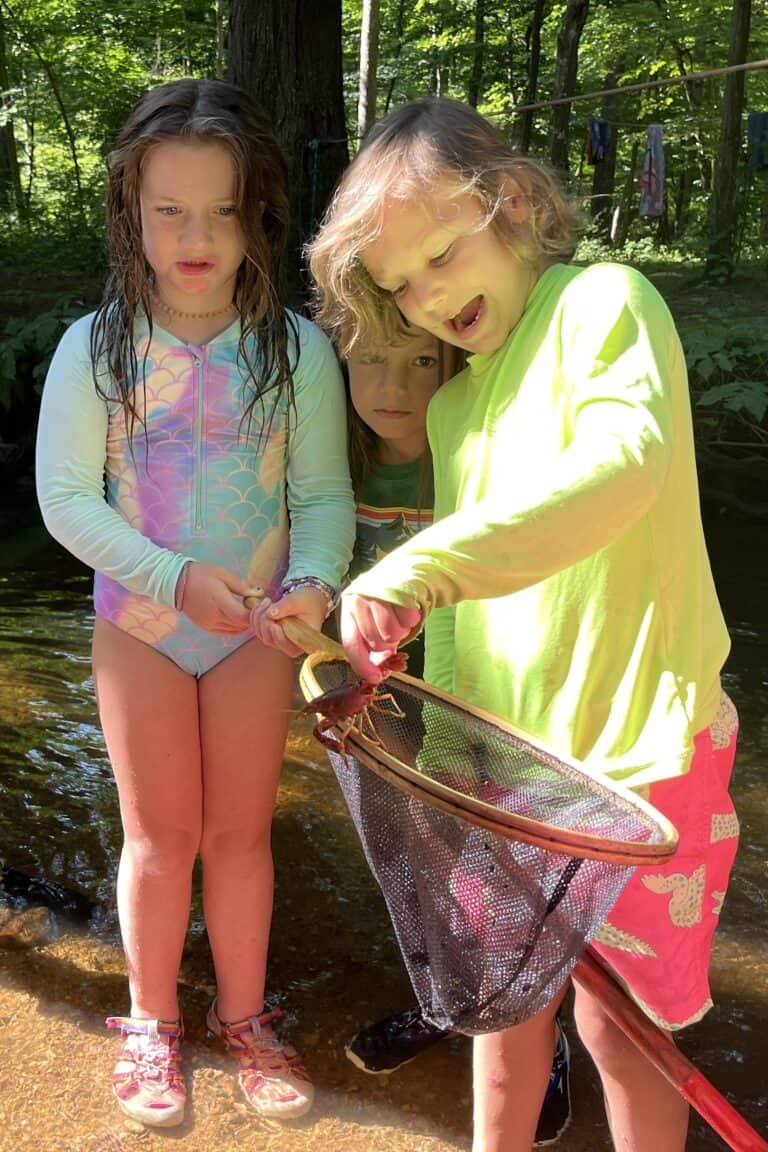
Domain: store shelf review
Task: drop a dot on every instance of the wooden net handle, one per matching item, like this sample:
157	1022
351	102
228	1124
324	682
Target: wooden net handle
309	639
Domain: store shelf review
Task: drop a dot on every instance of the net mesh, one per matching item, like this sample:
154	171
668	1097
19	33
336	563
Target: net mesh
489	927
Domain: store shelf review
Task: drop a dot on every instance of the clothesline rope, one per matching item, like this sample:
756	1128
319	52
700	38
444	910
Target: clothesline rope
684	79
670	121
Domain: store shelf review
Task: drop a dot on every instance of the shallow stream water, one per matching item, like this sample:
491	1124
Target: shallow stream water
333	962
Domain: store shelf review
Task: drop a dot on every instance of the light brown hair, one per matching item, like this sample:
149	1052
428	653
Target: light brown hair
406	155
206	111
363	443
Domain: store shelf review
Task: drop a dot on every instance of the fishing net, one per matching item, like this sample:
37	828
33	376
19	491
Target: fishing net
498	861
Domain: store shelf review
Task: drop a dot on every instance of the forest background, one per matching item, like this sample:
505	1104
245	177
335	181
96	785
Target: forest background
70	71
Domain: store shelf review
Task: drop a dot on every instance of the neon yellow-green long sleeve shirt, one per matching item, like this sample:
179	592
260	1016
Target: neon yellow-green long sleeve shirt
566	577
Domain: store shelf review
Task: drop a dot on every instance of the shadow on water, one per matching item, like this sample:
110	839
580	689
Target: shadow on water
333	960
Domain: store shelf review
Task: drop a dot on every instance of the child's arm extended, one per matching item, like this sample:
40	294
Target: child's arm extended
319	489
627	388
71	453
319	492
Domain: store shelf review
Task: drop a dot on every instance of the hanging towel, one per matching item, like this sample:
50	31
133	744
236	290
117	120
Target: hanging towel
757	140
598	140
652	174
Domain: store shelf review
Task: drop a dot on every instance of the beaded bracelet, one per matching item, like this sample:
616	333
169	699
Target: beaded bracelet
181	585
312	582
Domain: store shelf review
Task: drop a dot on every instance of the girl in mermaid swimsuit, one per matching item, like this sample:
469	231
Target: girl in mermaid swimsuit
218	421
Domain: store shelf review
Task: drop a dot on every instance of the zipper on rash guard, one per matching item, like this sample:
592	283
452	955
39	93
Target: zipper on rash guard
200	425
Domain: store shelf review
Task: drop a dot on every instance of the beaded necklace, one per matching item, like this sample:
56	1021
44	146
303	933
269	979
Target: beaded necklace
169	311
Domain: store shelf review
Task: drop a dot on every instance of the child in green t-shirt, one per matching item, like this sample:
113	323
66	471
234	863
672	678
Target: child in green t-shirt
391	467
389	390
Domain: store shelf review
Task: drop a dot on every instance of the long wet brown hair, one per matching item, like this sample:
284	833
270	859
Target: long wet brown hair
206	111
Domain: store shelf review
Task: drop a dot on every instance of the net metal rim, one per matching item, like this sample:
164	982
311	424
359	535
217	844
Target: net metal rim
511	825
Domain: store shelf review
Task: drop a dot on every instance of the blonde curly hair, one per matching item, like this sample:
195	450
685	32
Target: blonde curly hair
405	156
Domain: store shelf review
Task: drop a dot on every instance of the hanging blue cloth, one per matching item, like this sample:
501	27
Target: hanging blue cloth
598	140
652	174
757	140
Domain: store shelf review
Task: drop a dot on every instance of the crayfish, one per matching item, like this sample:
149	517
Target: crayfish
350	705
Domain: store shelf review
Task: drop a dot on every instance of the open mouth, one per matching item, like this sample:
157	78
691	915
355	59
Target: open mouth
195	267
467	320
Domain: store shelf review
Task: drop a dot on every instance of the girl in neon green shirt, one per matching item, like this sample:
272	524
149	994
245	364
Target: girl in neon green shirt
565	583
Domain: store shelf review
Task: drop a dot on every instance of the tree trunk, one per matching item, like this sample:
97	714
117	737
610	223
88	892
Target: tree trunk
369	59
566	69
694	96
11	195
604	177
58	97
722	204
683	193
533	43
30	138
475	85
221	68
625	213
287	55
763	229
396	53
438	11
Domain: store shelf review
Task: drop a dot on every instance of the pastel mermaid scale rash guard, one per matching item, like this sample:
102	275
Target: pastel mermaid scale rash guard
566	577
193	485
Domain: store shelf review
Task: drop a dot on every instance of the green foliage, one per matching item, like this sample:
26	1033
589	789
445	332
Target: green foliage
26	348
740	396
85	63
99	58
81	65
728	372
636	251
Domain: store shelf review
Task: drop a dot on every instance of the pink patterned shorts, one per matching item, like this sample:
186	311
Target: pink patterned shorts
658	937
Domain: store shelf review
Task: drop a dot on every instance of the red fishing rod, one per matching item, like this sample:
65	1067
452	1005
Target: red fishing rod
660	1051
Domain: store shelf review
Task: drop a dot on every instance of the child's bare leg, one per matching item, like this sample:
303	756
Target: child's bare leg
148	710
644	1111
510	1076
244	714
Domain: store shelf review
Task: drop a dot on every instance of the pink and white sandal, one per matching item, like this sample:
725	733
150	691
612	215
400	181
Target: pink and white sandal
147	1080
271	1075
